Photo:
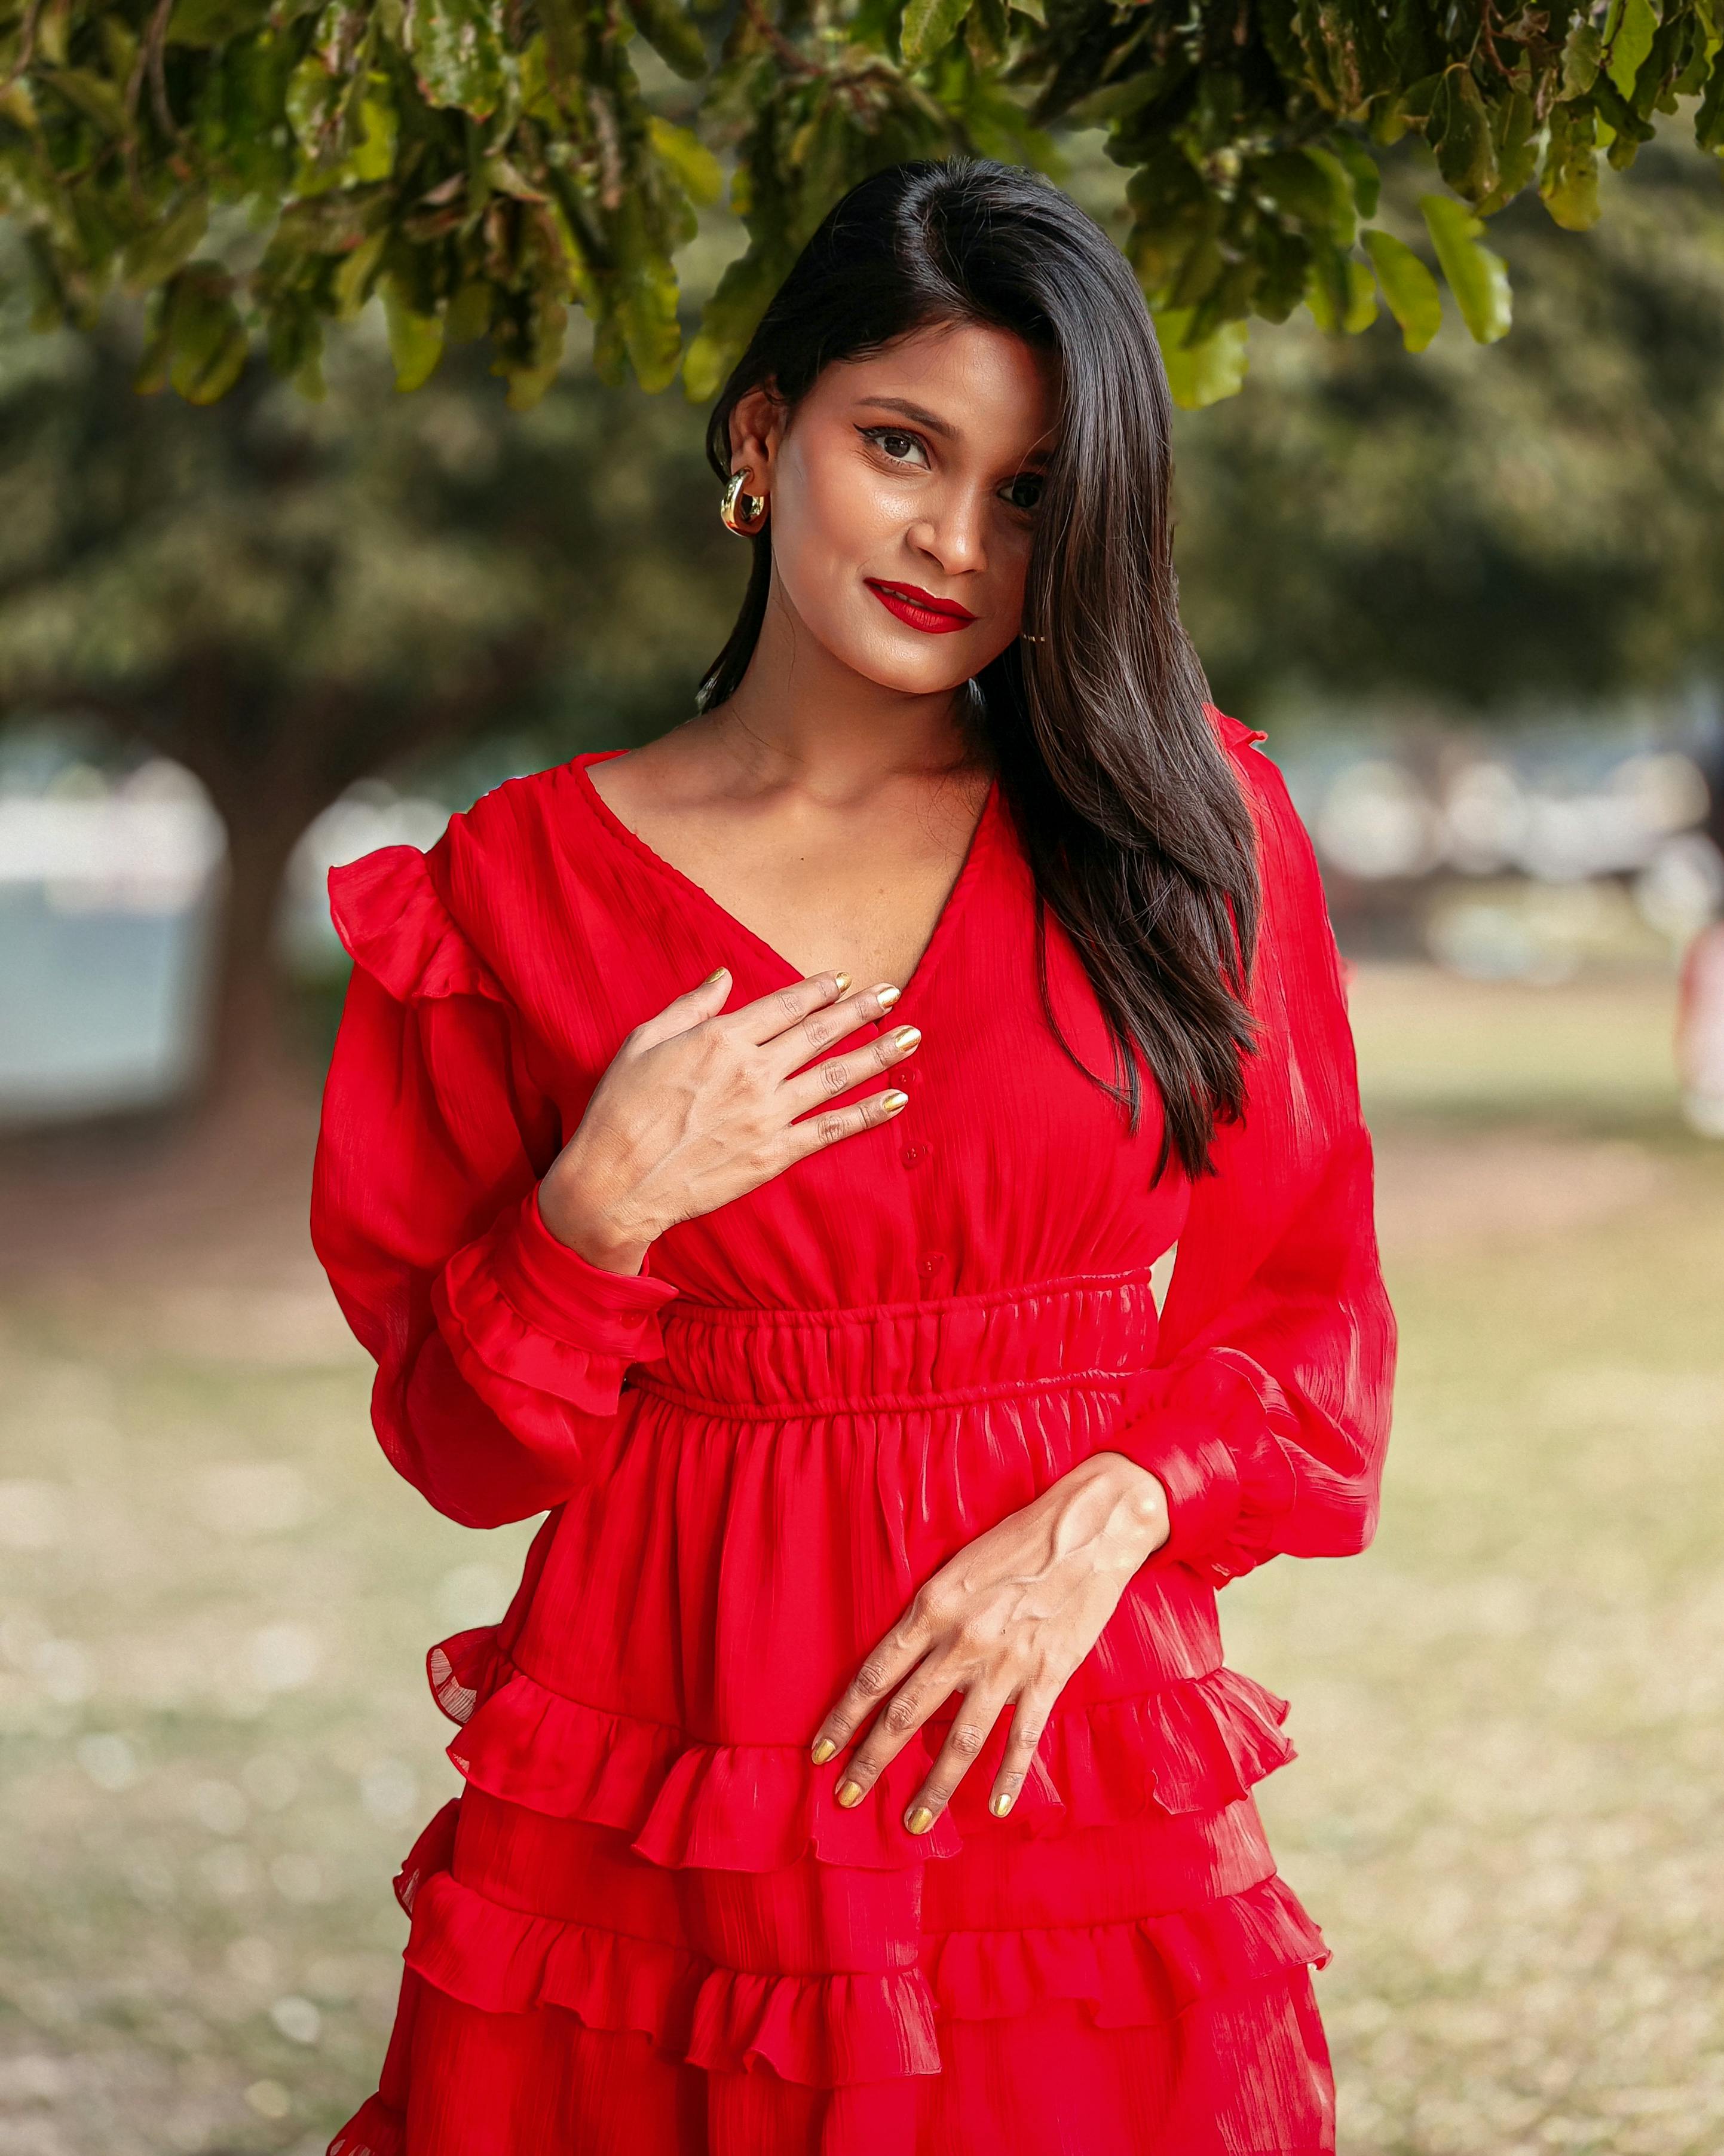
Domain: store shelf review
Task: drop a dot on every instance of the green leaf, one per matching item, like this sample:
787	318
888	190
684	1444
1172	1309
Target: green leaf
206	338
1632	43
1339	292
729	320
1569	184
674	35
1582	56
1478	279
457	46
469	315
162	250
211	23
1459	130
415	340
374	157
1114	100
645	297
92	95
350	288
929	26
1409	290
1709	120
1202	374
1362	169
693	163
1517	148
1307	186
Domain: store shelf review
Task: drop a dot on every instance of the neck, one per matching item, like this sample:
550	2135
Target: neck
802	719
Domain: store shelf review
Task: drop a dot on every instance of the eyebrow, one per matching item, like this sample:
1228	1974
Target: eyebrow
916	411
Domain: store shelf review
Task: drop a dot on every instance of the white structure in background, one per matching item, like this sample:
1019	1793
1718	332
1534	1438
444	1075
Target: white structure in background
369	816
108	890
147	843
1581	863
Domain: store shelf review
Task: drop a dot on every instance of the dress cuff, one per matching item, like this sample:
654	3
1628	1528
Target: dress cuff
1197	1470
568	1295
528	1307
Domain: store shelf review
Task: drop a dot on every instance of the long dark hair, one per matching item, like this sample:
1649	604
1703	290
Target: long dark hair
1133	822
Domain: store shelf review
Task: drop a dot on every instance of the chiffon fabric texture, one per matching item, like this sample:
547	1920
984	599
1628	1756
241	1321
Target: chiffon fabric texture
644	1925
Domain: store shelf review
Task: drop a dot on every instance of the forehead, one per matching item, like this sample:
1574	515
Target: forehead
981	383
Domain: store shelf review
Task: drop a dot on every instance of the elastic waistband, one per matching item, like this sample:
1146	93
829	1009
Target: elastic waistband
1094	1329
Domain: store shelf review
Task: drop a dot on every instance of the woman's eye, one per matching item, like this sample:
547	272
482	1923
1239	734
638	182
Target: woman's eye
1025	492
892	442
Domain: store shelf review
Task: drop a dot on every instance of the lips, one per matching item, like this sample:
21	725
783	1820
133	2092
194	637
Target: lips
933	617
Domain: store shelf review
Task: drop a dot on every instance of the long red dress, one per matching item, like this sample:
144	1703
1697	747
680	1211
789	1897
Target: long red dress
645	1928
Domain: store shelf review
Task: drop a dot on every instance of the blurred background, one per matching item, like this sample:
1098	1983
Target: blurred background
1477	599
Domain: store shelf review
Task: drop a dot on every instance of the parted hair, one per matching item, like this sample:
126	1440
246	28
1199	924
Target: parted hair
1132	817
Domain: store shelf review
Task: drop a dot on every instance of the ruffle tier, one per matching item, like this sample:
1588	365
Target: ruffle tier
1190	1747
827	2031
392	921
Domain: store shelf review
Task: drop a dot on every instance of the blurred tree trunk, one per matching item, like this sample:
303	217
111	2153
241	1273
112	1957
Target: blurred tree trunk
247	1047
272	757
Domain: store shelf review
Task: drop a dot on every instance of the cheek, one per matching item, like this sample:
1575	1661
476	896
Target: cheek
834	518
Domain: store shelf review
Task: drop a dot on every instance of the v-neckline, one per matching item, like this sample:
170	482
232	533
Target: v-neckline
611	821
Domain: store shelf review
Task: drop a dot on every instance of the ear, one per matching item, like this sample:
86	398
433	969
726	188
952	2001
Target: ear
758	423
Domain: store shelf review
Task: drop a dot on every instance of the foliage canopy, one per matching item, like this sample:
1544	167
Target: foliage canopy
485	165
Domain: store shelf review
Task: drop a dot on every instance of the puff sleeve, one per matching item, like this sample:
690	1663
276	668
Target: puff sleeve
500	1352
1267	1414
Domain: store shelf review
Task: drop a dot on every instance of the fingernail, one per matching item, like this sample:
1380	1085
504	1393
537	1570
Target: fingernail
906	1037
718	976
823	1750
1001	1804
850	1794
920	1820
891	1102
886	996
843	980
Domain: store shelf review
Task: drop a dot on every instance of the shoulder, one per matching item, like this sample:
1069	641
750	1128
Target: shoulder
1282	838
507	832
1295	929
428	924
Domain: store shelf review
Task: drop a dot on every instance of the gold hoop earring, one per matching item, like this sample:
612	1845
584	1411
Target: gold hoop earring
744	514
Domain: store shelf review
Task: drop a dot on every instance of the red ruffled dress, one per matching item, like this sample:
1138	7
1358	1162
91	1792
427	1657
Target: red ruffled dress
644	1927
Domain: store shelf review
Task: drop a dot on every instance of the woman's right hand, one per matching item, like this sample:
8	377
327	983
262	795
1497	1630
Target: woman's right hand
701	1104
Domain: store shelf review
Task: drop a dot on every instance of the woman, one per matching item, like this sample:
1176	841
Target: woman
855	1769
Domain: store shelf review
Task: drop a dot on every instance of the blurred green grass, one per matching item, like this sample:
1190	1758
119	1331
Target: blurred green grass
216	1599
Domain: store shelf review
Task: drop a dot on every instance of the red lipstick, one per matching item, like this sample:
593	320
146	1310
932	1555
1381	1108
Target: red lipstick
920	609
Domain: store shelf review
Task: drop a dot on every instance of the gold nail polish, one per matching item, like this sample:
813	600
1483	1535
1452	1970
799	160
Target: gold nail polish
823	1750
906	1037
850	1794
891	1102
1001	1804
920	1820
843	980
712	978
886	998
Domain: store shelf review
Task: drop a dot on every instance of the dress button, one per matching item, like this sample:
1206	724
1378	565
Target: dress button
913	1156
932	1264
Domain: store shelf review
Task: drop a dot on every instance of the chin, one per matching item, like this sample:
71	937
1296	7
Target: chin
923	667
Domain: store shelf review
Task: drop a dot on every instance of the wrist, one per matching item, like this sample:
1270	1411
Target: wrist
1140	1514
591	1231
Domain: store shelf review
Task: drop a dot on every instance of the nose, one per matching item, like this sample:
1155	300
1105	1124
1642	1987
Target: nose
954	532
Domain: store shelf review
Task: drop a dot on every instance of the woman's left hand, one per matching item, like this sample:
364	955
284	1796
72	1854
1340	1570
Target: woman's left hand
1005	1622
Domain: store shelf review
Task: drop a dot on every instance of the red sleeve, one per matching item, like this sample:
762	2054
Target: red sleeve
500	1352
1267	1416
